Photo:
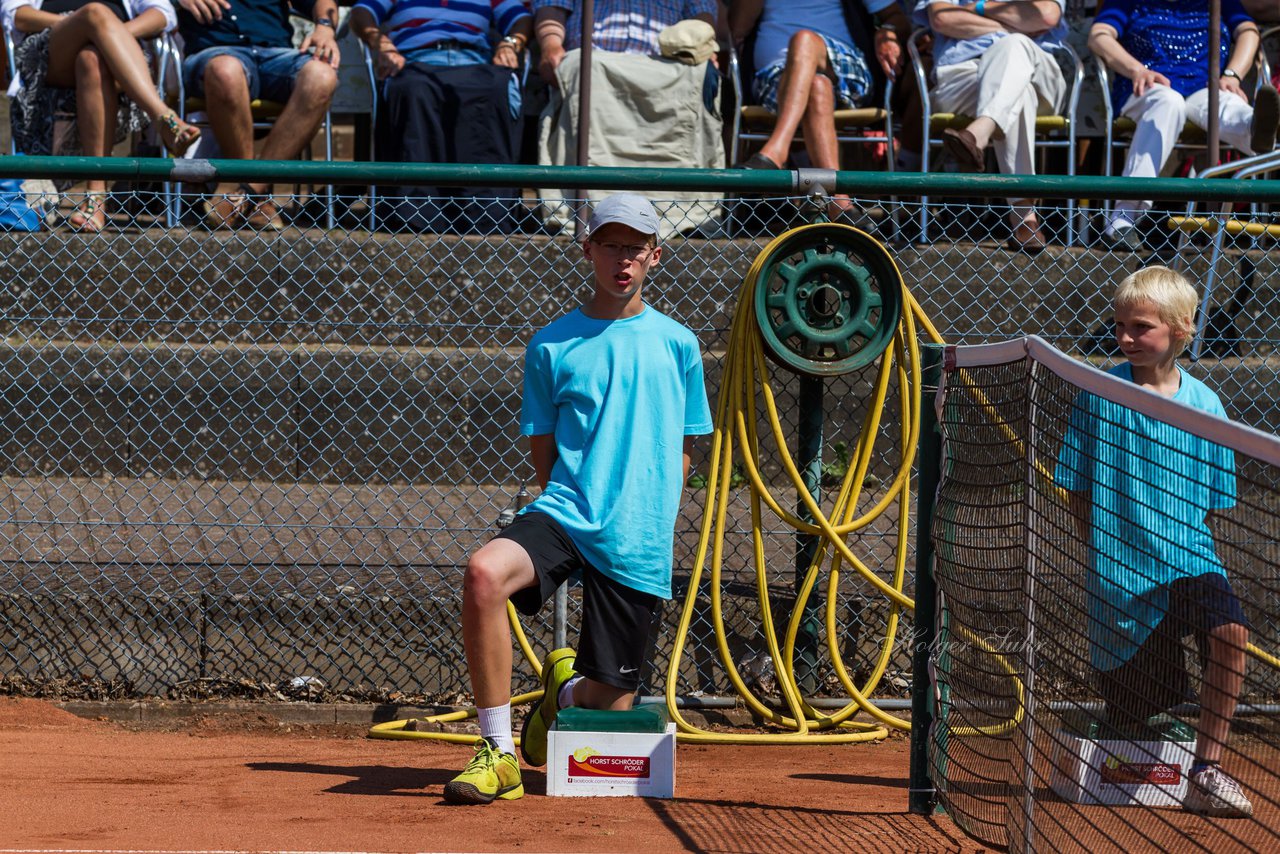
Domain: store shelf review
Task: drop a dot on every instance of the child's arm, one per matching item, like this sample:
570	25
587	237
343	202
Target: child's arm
543	455
688	452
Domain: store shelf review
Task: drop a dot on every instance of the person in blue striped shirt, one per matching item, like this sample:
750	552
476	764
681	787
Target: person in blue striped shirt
450	89
441	32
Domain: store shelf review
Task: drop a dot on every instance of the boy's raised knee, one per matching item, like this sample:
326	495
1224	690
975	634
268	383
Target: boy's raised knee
483	582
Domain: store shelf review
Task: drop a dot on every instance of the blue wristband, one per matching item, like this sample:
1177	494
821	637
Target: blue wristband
981	8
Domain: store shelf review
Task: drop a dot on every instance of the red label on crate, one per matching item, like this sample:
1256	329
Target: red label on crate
598	765
1120	772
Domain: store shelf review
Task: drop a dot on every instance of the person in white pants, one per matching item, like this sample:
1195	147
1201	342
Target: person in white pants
1160	52
990	62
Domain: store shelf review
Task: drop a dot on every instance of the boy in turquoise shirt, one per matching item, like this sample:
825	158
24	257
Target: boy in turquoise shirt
613	396
1141	491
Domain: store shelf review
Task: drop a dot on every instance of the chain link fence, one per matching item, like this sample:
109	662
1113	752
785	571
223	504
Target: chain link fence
245	462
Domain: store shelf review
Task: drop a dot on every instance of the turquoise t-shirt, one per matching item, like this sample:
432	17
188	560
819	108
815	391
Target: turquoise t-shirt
620	396
1150	488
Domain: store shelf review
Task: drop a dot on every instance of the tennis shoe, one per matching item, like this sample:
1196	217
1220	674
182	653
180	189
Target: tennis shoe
490	775
557	669
1213	792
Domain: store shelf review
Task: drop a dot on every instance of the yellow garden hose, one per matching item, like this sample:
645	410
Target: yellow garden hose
745	387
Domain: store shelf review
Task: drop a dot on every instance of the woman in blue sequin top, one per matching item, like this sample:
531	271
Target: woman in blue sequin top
1159	50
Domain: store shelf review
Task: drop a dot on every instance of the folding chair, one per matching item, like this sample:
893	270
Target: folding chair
1056	131
13	74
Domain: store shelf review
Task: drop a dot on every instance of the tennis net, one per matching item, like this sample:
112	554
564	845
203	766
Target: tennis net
1078	577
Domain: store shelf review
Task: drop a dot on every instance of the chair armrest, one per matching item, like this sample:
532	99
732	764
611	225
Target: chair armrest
1066	54
917	68
8	52
169	56
735	77
1104	75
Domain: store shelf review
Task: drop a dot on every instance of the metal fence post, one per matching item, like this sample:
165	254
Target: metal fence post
809	441
923	798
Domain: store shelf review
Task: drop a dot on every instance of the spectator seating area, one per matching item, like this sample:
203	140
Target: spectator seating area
521	49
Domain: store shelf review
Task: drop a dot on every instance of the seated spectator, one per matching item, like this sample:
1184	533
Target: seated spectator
1159	50
241	50
73	59
990	62
810	57
647	110
449	95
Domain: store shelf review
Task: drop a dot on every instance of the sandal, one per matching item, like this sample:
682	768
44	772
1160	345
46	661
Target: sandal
261	213
90	216
176	134
264	215
226	209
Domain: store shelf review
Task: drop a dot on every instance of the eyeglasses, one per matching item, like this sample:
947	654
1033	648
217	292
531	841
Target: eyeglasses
625	250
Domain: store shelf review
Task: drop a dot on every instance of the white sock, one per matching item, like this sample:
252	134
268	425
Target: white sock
495	725
565	697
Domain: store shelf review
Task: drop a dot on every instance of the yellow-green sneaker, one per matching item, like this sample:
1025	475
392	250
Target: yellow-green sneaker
491	774
557	669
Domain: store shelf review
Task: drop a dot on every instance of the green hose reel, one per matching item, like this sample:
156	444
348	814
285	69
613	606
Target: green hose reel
828	300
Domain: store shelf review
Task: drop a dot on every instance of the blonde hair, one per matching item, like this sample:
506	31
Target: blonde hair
1174	297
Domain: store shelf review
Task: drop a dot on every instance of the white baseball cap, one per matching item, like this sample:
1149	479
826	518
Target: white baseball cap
626	209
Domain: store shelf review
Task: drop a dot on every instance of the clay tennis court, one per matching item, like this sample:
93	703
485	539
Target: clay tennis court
249	783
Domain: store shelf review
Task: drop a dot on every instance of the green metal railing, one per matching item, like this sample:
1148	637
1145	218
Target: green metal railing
732	182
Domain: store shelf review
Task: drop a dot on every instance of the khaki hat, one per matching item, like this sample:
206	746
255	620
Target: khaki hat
692	42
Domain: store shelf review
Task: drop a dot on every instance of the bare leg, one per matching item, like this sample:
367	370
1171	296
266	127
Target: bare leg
1223	679
96	25
302	116
226	95
493	574
227	98
806	59
984	129
96	98
1026	225
590	694
820	133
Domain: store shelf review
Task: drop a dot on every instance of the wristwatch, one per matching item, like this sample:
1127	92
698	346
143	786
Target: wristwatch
325	22
1230	73
515	41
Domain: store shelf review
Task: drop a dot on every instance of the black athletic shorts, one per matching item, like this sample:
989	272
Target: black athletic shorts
1155	678
616	620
